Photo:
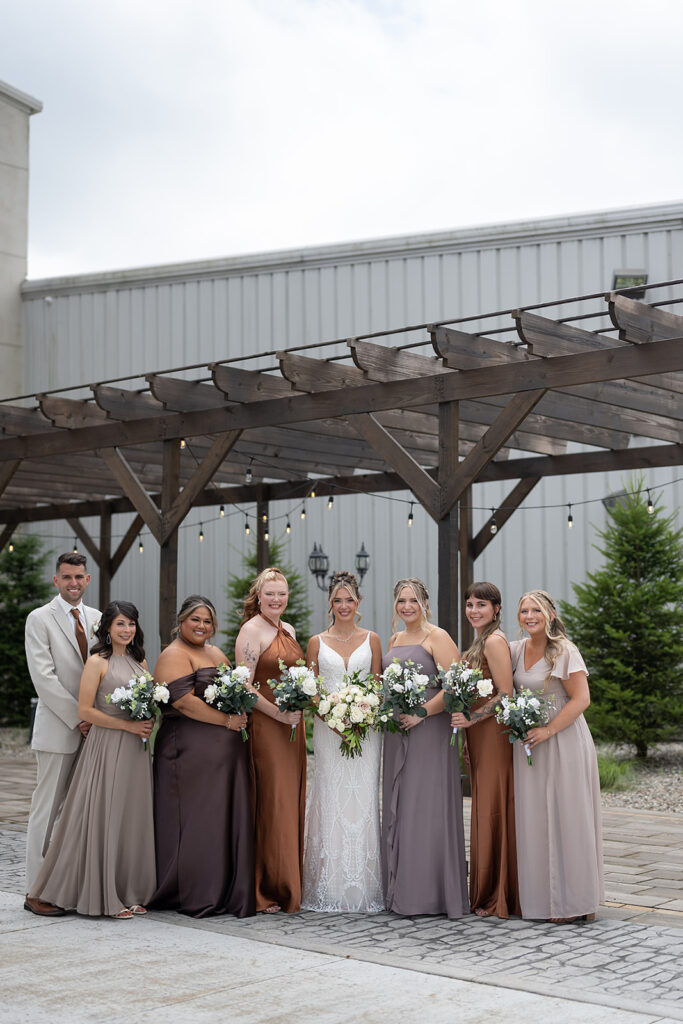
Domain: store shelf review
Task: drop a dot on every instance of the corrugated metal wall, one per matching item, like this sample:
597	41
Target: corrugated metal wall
106	326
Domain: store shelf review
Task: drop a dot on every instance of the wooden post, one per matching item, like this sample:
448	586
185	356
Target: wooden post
105	557
262	546
448	523
466	574
168	551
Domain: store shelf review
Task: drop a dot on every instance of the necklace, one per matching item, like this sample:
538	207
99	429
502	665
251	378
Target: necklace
342	639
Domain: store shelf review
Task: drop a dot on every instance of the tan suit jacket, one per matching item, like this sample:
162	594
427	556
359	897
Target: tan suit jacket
56	665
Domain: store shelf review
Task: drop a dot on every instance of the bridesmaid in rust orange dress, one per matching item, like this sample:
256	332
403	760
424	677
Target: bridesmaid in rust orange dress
278	766
493	856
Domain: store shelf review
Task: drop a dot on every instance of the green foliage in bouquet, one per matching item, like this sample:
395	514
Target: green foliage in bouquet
22	588
627	621
298	611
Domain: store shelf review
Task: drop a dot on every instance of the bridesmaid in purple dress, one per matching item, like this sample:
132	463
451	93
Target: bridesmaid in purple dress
423	842
202	810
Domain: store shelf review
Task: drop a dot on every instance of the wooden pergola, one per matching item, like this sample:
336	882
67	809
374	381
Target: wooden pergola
373	418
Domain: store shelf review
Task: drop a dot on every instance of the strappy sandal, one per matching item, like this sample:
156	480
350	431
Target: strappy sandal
138	910
123	915
274	908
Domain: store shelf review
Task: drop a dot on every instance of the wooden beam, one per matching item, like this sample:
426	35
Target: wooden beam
262	527
168	547
503	513
465	564
105	558
183	395
7	471
470	468
124	405
133	489
448	531
85	538
641	324
417	479
126	543
197	482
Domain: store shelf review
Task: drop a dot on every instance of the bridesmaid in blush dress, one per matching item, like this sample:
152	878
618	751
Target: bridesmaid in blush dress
278	766
423	841
202	811
557	801
101	858
493	852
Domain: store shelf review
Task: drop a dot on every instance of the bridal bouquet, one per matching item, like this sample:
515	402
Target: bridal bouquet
229	692
295	689
521	712
142	698
461	686
352	710
404	692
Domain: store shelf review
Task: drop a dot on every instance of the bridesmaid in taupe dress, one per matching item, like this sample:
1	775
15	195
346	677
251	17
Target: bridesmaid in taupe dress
278	766
101	857
493	852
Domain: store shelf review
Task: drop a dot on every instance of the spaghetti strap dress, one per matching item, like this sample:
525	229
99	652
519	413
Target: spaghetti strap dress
423	840
493	850
101	857
202	812
278	786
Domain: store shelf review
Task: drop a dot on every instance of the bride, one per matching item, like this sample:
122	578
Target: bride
342	871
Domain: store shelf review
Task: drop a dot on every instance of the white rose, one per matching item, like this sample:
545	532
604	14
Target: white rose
521	702
484	687
161	694
334	698
421	680
392	670
340	710
210	693
465	675
242	673
384	718
506	714
534	703
299	671
356	715
332	724
372	699
309	687
324	706
119	694
398	687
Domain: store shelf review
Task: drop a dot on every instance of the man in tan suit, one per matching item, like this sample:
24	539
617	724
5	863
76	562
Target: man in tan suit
58	637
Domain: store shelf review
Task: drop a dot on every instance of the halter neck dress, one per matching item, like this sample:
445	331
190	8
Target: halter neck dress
278	786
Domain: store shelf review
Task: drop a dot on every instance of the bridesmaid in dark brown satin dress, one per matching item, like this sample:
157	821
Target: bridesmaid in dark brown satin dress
493	854
202	806
278	766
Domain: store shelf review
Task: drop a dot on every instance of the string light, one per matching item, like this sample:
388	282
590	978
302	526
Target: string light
264	517
266	535
11	547
75	547
182	443
313	492
221	511
288	527
201	532
247	528
570	517
330	502
410	515
141	546
650	504
494	524
249	476
303	512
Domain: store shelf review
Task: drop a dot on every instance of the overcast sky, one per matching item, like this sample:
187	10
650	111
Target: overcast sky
175	130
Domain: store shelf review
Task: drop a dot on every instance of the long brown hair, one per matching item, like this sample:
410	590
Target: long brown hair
485	592
251	603
555	632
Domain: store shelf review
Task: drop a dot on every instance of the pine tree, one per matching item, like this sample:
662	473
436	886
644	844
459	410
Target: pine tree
22	588
627	621
298	610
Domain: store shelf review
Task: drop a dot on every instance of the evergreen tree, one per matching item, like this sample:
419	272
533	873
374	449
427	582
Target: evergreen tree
627	621
298	610
22	588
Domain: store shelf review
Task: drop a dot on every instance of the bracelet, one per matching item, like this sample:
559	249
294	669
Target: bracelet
229	721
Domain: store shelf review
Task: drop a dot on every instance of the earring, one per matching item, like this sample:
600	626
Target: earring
108	640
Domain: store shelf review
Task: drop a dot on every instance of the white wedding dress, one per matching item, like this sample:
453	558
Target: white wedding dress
342	872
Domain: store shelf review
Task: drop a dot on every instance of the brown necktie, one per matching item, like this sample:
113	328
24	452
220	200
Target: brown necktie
80	634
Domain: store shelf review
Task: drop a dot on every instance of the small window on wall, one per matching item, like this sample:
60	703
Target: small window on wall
633	280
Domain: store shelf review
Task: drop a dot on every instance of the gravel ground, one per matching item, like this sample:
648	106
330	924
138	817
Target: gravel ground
656	785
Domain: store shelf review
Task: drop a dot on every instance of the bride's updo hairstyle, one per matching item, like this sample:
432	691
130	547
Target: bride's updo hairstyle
484	592
190	605
251	603
555	631
421	594
339	580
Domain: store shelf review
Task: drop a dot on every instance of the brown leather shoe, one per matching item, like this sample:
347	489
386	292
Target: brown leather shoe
42	908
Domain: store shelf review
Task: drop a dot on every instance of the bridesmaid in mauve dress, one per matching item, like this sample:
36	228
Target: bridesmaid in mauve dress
202	811
493	852
557	800
278	766
101	858
423	841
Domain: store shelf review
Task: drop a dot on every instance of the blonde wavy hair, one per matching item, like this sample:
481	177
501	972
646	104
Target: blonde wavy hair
340	580
421	594
555	632
485	592
251	602
190	605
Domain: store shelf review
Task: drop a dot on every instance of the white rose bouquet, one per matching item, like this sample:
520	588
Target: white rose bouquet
295	689
404	692
521	712
462	685
142	698
353	710
229	692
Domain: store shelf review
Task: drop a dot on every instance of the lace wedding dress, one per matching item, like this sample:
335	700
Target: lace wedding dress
342	872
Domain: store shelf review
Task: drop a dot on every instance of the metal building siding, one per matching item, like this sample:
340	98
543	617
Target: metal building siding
101	327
